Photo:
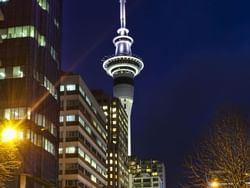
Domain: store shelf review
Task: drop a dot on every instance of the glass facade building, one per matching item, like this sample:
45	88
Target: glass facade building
29	74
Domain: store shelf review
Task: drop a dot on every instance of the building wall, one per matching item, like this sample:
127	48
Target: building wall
83	137
147	172
117	126
29	72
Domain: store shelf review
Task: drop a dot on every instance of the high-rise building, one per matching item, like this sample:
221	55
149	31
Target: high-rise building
83	136
123	67
147	173
29	71
117	126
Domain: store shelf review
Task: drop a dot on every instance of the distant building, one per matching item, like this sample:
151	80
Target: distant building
147	173
29	72
83	144
117	126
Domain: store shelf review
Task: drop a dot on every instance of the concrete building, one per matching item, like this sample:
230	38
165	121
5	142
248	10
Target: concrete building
123	67
29	71
83	137
117	126
147	173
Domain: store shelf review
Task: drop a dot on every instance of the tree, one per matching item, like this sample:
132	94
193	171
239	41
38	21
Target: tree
223	156
9	162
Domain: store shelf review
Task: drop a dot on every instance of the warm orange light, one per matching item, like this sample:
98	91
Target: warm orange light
8	134
214	184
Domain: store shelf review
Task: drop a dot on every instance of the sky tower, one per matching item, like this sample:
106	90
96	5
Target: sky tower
123	67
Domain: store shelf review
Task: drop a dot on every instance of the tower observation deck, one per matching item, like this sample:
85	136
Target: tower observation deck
123	67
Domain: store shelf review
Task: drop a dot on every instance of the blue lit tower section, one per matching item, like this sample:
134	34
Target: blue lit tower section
123	67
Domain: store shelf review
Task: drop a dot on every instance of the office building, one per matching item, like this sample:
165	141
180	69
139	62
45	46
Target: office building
123	67
117	126
29	72
147	173
83	137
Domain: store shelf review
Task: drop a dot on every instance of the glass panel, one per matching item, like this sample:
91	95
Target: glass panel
2	73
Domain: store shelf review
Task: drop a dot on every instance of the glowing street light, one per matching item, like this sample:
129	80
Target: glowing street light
214	184
8	134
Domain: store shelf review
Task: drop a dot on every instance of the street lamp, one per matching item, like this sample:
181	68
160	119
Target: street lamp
8	134
214	183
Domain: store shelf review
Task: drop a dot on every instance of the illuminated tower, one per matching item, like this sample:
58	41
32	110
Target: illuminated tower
123	67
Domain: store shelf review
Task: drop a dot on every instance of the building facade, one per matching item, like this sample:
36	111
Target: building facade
147	173
83	136
117	127
29	72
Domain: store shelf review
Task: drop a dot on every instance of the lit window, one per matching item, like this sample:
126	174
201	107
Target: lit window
60	150
113	109
2	73
71	87
43	4
93	178
105	107
88	101
70	118
61	87
70	149
93	163
56	23
61	119
114	129
80	152
87	158
17	72
23	32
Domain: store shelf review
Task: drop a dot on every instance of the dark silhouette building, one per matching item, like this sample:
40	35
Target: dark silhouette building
29	72
117	126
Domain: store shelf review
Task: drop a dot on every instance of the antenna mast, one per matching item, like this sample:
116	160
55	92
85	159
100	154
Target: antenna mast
123	13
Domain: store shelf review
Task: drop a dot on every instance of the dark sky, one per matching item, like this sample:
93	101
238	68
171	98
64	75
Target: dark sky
196	55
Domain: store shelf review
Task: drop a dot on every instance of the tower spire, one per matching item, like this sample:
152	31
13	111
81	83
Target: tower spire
123	13
124	67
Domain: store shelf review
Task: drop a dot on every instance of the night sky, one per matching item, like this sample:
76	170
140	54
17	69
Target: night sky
197	59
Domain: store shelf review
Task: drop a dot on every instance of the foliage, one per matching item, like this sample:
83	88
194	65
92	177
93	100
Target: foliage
224	155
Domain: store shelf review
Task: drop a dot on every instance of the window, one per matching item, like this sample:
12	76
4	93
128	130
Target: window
61	119
2	73
81	91
70	150
88	101
93	178
23	32
93	163
17	72
87	158
71	87
60	150
80	152
61	87
70	118
15	113
43	4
